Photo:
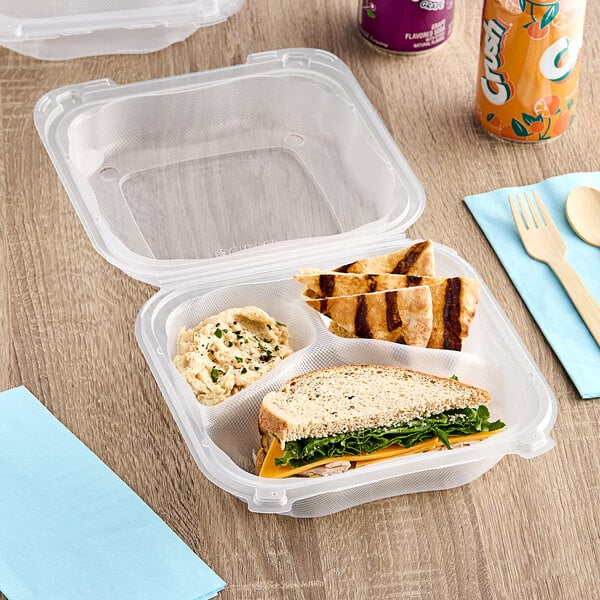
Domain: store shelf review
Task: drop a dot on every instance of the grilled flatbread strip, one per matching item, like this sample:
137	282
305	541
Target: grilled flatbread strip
415	260
323	284
454	305
404	316
454	300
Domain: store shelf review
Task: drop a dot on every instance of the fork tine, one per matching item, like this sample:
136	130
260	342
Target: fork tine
543	210
516	216
532	209
525	213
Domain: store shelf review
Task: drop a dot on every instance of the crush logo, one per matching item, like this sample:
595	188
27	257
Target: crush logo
494	83
559	59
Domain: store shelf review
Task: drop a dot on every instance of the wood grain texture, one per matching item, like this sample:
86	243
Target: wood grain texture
526	529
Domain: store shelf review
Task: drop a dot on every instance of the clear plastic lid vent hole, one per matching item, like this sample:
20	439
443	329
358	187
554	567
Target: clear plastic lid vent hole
294	140
108	173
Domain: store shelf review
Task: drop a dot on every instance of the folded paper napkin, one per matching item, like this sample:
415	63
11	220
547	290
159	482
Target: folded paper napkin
539	288
70	529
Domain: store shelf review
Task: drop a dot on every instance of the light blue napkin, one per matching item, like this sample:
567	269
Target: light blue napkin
70	529
542	293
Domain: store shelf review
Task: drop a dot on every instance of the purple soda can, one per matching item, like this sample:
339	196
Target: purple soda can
406	26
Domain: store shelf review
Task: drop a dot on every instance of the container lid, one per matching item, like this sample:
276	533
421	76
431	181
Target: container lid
248	168
22	20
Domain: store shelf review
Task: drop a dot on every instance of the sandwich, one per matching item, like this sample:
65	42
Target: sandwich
331	420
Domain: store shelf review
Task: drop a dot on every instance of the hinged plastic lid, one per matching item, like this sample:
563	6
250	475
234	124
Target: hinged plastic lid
22	20
252	168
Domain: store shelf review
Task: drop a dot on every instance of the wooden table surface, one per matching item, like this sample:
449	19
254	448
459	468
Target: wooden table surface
526	529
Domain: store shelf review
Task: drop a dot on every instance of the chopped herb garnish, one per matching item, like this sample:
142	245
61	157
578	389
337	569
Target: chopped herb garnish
454	377
267	356
244	370
281	324
218	333
239	359
269	327
214	374
229	344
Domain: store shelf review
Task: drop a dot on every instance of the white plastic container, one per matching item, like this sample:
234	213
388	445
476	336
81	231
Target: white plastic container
61	29
217	187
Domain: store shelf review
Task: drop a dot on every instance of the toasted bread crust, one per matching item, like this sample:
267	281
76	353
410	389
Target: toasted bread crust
260	459
271	420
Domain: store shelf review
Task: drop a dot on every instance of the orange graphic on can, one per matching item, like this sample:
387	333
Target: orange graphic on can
529	67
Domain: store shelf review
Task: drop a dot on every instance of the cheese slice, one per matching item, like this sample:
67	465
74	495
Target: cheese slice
433	444
419	448
269	469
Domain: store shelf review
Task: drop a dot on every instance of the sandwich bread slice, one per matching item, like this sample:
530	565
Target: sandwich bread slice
334	419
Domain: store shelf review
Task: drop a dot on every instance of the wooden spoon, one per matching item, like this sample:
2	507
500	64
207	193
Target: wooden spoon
583	213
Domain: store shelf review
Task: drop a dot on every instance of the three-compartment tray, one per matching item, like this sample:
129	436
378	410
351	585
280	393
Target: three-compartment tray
217	187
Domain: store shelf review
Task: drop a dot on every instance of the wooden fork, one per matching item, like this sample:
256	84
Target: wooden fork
543	242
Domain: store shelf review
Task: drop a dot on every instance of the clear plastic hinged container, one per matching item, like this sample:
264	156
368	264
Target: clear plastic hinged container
59	29
217	187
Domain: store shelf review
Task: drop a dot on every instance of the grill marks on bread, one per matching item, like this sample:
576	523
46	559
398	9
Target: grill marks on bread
364	309
454	305
454	300
392	314
451	315
414	255
326	284
415	260
403	315
361	319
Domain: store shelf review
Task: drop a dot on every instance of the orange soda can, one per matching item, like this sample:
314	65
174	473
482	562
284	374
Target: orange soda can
529	67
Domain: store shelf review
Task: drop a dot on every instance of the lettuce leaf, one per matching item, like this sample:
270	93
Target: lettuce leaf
464	421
